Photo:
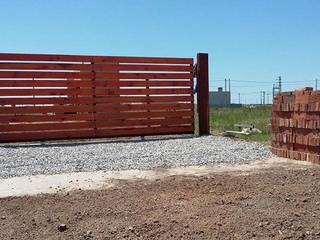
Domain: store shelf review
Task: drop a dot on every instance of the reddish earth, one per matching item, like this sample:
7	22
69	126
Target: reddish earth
277	203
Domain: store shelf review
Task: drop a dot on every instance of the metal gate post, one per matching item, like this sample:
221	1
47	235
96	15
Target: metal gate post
202	74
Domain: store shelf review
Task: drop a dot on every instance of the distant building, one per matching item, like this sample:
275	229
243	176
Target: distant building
220	98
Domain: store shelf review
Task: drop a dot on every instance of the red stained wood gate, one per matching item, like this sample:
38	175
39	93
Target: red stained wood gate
70	96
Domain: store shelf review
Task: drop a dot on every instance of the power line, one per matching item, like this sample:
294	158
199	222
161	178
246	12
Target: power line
265	96
264	85
293	83
233	80
252	86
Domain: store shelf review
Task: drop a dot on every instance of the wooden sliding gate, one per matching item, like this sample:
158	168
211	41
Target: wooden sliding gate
70	96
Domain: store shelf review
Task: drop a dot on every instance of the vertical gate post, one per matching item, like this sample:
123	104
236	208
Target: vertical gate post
203	93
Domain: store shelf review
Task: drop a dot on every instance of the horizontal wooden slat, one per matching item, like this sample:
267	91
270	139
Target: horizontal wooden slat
18	137
136	67
100	75
46	109
41	92
47	118
95	67
46	83
104	116
143	122
29	74
84	58
161	83
106	92
87	100
144	131
90	133
93	108
44	57
88	75
142	91
93	116
123	59
46	126
88	125
45	66
90	83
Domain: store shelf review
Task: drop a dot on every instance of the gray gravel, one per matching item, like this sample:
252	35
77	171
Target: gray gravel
21	160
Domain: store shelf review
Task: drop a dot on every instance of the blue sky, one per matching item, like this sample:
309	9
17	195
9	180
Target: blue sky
251	42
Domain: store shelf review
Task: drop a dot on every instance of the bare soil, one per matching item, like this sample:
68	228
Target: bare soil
277	203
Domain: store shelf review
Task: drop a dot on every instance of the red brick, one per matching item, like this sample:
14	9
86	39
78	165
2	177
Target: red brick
295	124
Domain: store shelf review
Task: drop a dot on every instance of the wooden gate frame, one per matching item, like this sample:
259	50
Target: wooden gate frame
24	65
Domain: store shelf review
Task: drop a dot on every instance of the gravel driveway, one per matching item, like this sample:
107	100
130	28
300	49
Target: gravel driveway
22	160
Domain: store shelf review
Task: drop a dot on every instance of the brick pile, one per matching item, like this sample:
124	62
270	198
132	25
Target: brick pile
295	124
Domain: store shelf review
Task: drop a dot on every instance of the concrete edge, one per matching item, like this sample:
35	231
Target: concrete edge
59	183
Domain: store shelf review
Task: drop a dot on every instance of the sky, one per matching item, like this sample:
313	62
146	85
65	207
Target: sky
252	42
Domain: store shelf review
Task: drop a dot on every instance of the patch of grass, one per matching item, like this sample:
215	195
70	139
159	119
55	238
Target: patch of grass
223	119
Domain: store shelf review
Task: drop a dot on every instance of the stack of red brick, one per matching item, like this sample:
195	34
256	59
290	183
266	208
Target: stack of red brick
295	125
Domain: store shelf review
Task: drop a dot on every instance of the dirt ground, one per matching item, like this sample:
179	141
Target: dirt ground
276	203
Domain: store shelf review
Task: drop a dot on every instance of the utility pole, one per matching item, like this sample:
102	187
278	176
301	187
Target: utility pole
316	84
277	88
272	91
225	84
229	91
262	97
268	98
239	98
280	85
